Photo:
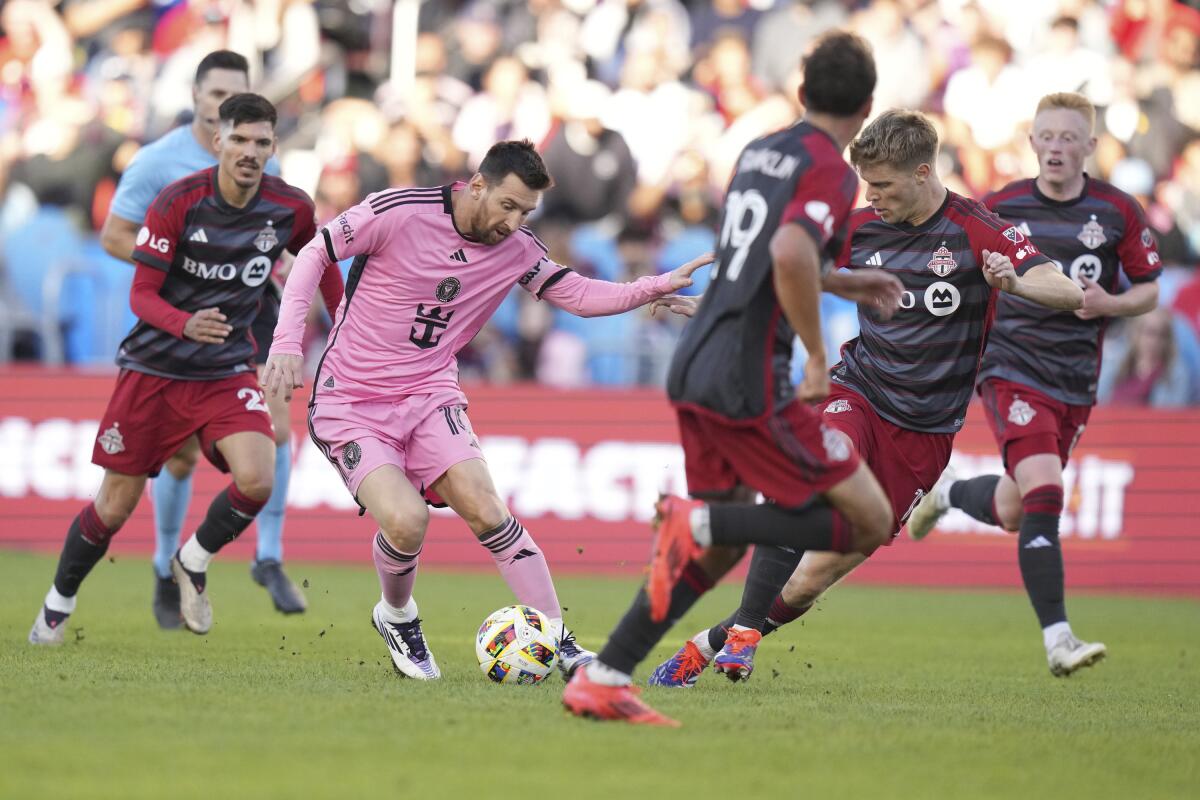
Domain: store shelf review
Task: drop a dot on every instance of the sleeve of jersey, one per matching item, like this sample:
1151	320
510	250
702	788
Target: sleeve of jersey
150	307
307	273
998	236
822	202
1137	249
357	231
156	240
136	190
587	297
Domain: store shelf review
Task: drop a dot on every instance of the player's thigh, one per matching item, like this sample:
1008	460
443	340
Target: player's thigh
117	497
250	456
280	414
863	502
816	573
396	506
467	487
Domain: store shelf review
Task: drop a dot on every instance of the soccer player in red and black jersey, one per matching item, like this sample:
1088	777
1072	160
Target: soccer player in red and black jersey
903	386
744	427
1039	373
204	254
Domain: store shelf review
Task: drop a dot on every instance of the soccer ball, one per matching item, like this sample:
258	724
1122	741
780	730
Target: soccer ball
517	644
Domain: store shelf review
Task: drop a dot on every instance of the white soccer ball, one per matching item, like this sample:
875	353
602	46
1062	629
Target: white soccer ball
517	644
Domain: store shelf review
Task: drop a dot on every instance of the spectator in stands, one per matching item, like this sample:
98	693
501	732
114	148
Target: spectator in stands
1144	367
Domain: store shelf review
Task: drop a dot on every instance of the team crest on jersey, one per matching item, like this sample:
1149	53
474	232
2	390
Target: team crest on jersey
1147	238
837	446
943	262
1014	236
1020	412
111	441
448	289
1092	234
266	240
351	455
838	406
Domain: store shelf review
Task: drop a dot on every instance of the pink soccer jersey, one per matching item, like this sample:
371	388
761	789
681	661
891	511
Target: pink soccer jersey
419	291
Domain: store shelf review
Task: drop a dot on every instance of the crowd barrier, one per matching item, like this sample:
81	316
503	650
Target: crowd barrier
582	469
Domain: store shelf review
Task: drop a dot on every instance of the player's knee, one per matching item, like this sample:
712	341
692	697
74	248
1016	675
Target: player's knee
282	435
256	484
404	528
873	527
182	464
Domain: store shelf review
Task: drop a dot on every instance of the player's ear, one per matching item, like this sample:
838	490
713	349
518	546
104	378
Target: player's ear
922	172
477	185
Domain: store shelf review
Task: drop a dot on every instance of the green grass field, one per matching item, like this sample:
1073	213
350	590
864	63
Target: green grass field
880	694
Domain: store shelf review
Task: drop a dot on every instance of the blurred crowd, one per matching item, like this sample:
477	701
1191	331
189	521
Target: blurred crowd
639	106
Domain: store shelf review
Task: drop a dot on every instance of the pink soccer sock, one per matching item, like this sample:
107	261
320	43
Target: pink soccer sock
522	566
397	571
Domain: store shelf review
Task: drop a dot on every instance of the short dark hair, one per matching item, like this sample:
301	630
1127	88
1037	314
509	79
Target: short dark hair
839	74
222	59
247	107
520	158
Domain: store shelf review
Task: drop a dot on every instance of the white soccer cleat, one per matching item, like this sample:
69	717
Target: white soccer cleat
193	597
406	645
570	655
45	633
932	507
1069	654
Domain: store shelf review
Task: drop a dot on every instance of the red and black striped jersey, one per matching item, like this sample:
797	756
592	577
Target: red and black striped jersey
733	357
215	256
1095	236
918	368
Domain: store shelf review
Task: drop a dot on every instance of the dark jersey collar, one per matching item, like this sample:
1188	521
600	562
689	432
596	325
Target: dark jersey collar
1062	203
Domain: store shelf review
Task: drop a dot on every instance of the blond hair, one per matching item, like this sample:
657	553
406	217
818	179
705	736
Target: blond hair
898	138
1071	101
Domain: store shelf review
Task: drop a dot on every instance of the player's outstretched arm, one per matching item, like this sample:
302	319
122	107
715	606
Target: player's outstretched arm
588	297
797	267
1043	284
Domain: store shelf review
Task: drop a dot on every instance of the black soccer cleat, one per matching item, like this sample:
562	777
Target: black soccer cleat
286	596
166	603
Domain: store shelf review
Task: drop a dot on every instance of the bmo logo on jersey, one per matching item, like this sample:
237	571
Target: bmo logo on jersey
941	299
255	273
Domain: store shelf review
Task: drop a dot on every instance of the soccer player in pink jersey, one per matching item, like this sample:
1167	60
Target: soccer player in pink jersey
430	267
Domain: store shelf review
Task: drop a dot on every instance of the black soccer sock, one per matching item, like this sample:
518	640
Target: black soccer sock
816	526
87	542
231	513
636	634
770	568
1040	555
976	497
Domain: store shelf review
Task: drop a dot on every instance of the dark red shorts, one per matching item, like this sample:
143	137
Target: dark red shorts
1026	422
906	463
788	457
149	418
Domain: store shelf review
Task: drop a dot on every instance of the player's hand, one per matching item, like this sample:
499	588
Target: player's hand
207	326
676	304
879	289
1096	301
998	271
815	386
283	373
681	277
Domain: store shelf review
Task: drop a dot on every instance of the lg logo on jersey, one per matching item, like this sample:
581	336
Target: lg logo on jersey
940	298
157	243
255	273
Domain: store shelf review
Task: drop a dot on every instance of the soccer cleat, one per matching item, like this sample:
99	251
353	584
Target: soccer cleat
286	596
570	655
166	603
674	547
681	670
193	597
932	506
406	644
736	659
1069	654
590	700
49	628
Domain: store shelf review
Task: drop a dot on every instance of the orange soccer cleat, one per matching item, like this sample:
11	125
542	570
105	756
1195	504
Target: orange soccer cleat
674	547
585	698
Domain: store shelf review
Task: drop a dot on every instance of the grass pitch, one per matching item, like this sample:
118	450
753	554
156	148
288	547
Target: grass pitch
880	694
